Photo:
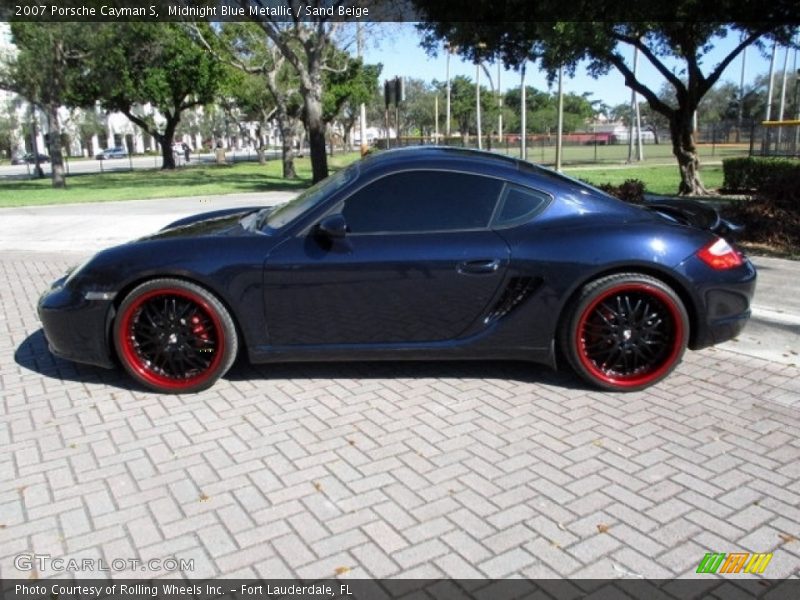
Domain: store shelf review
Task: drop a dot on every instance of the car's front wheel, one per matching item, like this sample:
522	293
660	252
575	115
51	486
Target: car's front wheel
174	336
625	332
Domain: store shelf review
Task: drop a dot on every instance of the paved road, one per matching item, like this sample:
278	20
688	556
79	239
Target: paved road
393	469
76	167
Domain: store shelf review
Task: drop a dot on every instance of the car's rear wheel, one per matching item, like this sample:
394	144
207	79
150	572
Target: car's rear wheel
625	332
174	336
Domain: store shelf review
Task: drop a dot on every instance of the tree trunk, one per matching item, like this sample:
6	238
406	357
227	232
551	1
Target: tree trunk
683	147
56	157
166	139
286	128
287	150
316	134
262	147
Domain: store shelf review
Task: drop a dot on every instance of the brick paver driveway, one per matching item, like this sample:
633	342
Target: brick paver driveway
373	470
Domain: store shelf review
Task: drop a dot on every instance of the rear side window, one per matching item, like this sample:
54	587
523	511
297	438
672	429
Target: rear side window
518	205
420	201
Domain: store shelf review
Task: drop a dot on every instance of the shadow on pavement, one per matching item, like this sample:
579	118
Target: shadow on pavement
34	355
510	371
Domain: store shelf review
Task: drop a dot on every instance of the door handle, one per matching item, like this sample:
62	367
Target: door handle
478	267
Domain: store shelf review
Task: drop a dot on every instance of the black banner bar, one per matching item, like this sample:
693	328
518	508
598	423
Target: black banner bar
704	587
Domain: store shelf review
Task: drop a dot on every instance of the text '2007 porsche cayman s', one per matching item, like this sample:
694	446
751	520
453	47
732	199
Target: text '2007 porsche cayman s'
425	253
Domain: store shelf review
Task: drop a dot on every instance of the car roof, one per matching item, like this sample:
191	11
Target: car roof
473	161
416	154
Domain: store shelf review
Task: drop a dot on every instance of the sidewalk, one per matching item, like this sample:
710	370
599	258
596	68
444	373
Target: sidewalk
85	228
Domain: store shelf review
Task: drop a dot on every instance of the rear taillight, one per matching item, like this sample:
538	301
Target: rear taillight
719	255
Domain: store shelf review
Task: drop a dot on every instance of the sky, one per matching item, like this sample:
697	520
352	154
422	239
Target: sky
397	47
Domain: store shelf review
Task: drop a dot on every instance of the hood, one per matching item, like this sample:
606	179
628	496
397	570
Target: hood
217	222
214	214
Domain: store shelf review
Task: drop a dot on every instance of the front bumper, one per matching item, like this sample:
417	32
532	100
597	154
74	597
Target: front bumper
76	329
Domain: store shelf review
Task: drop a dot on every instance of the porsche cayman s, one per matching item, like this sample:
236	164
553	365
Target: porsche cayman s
426	253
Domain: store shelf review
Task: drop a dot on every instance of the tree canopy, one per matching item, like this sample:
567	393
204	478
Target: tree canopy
139	63
46	71
599	40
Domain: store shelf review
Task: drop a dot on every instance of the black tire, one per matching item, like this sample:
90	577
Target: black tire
174	337
625	332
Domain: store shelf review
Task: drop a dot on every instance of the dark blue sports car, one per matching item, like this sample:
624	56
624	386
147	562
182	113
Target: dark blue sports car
424	253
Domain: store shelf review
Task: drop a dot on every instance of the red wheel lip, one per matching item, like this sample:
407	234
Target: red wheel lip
639	380
133	360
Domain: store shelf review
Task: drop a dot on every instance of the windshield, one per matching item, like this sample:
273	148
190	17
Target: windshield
288	212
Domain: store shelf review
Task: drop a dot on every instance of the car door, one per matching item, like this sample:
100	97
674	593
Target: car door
418	264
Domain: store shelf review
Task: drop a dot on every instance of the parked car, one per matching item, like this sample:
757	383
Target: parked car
116	152
425	253
29	158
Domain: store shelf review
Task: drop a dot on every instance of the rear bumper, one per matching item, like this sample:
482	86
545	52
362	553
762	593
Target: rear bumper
76	328
724	305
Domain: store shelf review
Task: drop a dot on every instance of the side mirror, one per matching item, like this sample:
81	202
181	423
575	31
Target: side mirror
333	226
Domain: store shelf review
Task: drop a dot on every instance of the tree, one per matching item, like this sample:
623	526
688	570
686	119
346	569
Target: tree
141	63
419	110
44	72
89	123
346	89
305	42
266	85
600	40
8	129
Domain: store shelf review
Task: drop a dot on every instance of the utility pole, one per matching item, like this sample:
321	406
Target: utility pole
560	126
362	108
523	147
499	108
632	116
478	102
782	105
447	117
770	89
740	108
436	119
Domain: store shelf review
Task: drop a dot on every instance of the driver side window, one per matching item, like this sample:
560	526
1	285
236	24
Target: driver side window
423	201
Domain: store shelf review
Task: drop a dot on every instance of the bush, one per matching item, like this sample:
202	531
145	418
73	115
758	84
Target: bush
758	173
631	190
772	217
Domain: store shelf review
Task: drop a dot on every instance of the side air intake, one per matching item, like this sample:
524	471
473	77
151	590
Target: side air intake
516	292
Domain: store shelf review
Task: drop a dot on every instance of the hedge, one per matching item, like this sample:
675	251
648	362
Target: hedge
757	173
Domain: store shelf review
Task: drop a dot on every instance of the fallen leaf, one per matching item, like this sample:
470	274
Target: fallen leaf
561	526
3	525
318	486
341	570
598	443
73	446
351	442
787	538
602	528
203	498
555	544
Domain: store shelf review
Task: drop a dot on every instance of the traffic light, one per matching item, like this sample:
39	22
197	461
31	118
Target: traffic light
394	91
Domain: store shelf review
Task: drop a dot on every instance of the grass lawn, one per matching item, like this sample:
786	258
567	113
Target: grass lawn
153	183
657	179
251	177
